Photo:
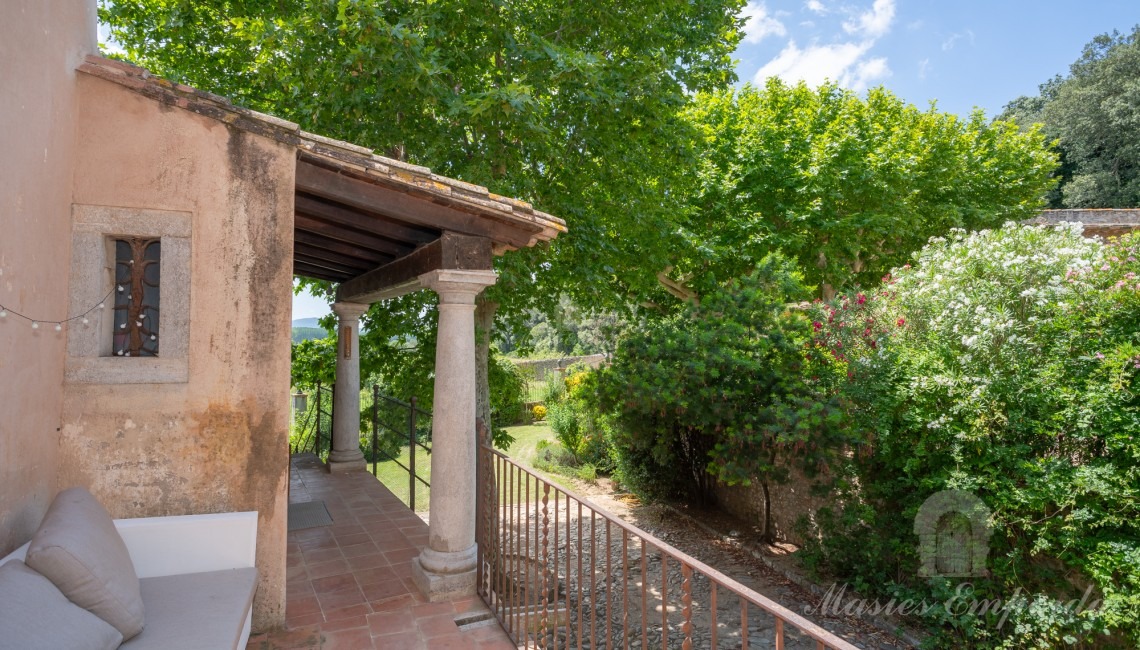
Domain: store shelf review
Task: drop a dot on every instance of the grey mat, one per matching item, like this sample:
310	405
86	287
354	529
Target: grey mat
310	514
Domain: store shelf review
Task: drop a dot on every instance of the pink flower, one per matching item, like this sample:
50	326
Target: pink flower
1099	355
860	299
817	325
901	322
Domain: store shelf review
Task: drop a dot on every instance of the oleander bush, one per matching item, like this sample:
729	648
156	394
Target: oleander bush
1004	363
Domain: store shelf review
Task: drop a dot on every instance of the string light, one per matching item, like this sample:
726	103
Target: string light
58	324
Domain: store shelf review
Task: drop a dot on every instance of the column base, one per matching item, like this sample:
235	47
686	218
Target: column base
438	587
341	466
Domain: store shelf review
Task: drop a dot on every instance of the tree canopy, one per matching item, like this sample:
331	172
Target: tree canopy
848	186
573	106
1094	115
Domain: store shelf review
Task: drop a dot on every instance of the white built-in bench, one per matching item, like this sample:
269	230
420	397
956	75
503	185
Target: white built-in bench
196	579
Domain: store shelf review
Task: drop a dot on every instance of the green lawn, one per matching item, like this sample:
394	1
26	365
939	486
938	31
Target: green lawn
395	478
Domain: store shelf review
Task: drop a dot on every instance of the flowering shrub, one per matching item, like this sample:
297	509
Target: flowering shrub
1004	363
719	392
539	412
581	429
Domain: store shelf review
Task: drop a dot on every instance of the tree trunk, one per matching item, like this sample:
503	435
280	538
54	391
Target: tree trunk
484	324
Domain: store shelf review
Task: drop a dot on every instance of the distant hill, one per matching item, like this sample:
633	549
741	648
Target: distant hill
307	328
307	322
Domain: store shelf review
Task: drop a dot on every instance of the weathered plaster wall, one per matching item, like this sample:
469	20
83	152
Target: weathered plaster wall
219	441
41	42
790	501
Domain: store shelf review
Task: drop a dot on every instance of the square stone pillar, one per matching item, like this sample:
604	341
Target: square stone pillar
446	567
346	454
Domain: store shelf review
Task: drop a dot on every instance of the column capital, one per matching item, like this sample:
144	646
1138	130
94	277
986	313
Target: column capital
458	287
349	310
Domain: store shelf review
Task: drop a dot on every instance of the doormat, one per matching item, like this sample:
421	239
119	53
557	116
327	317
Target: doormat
310	514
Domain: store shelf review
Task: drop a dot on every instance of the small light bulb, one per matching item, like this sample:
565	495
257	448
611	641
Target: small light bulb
153	337
120	353
3	313
129	296
85	321
121	289
142	316
101	305
127	354
59	327
138	323
35	325
131	262
123	326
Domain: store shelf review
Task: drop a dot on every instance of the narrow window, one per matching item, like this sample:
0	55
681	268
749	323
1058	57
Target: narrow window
136	297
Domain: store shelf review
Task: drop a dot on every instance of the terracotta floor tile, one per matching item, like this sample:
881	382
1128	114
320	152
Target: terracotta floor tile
326	569
348	597
372	576
437	626
333	583
349	585
322	555
380	591
302	605
399	620
355	639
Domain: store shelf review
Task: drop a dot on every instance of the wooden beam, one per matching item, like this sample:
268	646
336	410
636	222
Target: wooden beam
358	263
336	267
335	246
450	251
401	206
305	271
364	221
372	242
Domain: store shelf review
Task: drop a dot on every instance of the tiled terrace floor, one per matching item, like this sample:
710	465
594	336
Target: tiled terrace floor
349	585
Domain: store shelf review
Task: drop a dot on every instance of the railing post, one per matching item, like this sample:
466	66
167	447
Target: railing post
375	426
412	454
317	442
332	420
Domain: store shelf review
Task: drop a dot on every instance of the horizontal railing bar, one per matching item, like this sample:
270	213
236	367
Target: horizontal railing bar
763	602
404	404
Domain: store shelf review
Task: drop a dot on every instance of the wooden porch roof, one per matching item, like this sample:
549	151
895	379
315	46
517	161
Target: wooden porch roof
363	220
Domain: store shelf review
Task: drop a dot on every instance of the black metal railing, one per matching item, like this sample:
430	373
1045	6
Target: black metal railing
558	571
396	423
316	424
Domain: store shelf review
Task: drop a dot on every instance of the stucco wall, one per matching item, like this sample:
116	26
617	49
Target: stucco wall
219	441
790	501
41	42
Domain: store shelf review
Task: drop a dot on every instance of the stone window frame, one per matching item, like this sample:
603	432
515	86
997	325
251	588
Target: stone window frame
90	359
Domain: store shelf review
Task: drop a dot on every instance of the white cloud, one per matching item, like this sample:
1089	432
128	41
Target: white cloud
949	43
874	22
840	62
815	6
760	24
923	65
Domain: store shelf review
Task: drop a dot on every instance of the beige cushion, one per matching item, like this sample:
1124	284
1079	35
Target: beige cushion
78	548
34	614
195	611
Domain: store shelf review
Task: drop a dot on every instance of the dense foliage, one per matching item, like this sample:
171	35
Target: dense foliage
1094	113
718	391
848	186
574	106
1005	363
404	371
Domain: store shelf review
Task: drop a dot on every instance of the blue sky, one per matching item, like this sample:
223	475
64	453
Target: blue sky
962	53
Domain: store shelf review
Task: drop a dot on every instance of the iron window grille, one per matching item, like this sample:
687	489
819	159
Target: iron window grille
137	278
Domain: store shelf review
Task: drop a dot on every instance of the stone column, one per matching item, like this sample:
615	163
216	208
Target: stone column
345	454
446	567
